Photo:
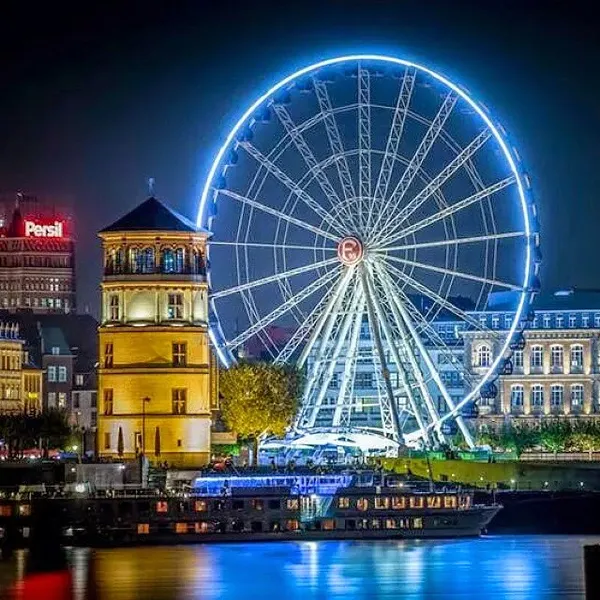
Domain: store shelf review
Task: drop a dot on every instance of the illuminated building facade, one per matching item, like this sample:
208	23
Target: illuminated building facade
154	377
20	382
556	372
37	264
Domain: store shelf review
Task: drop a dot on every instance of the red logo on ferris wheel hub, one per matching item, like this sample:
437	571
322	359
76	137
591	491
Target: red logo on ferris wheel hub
350	251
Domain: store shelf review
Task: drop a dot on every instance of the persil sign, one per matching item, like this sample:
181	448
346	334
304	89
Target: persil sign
33	229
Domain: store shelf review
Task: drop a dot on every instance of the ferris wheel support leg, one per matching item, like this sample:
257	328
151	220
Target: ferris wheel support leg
378	312
341	340
381	353
349	367
430	366
425	393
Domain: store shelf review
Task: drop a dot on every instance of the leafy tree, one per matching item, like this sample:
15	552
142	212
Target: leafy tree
554	436
585	437
518	438
259	398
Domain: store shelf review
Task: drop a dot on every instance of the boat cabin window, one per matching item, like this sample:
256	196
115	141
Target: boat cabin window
292	525
434	502
200	505
201	527
362	504
181	528
398	502
449	501
417	523
390	524
258	504
382	502
162	507
344	502
416	502
293	504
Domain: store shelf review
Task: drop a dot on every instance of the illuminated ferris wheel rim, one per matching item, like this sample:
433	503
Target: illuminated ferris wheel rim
510	156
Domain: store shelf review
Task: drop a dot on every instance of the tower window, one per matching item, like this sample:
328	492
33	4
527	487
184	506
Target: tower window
147	260
179	396
108	402
108	355
179	354
114	308
175	306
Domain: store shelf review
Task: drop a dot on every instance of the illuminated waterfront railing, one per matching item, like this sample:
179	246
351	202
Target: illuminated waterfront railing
297	484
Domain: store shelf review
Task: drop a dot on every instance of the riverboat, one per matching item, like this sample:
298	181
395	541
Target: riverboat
261	507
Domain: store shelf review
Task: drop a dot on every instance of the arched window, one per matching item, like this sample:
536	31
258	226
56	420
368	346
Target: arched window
576	357
197	263
168	261
556	357
577	395
537	395
537	357
516	395
135	260
483	356
556	395
147	260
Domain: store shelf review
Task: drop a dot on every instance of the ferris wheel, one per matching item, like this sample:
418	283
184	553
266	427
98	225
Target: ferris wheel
354	206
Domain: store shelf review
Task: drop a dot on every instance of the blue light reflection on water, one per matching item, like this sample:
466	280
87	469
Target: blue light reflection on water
523	568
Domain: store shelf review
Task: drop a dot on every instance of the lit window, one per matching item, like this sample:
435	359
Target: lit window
546	321
585	319
108	355
399	502
343	502
556	357
62	400
162	507
143	528
382	502
577	394
572	320
293	504
537	395
181	528
179	354
78	379
495	321
114	309
175	306
200	506
52	399
434	502
52	373
576	357
362	504
516	395
62	374
559	321
556	395
146	260
55	350
518	359
179	396
483	320
108	402
536	357
417	502
417	523
484	356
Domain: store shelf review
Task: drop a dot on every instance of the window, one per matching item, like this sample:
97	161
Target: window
52	373
585	320
556	395
556	357
114	311
78	379
483	320
55	350
147	260
572	320
516	395
362	504
179	396
507	321
536	357
559	321
62	400
175	306
546	321
179	354
108	402
75	398
52	399
108	355
597	320
576	394
495	321
334	382
107	440
363	381
484	356
518	359
576	357
537	395
382	502
293	504
62	374
344	502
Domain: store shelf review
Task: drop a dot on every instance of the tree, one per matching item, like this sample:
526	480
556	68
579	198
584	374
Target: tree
555	436
258	398
585	437
517	438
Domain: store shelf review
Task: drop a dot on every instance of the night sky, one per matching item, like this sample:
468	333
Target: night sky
93	104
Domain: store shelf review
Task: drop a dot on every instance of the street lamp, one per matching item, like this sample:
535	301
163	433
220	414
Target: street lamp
144	400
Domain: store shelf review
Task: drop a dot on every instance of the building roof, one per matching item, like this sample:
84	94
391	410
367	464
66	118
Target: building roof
568	299
153	215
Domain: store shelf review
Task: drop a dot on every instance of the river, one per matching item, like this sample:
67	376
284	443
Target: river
503	567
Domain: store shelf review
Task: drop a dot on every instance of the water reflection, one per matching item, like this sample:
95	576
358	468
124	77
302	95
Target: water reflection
495	567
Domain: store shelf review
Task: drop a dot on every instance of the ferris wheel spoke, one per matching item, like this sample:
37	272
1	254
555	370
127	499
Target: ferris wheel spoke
441	301
437	182
404	317
394	136
270	246
377	319
271	278
364	145
445	271
272	168
282	309
389	209
451	242
279	214
307	154
345	394
335	140
340	342
451	210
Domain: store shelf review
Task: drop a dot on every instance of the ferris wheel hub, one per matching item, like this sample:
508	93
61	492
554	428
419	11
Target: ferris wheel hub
350	251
